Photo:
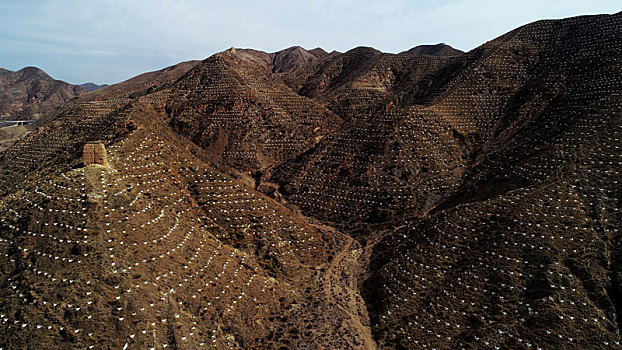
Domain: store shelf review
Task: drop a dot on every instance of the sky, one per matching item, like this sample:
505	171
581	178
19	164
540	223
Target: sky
110	41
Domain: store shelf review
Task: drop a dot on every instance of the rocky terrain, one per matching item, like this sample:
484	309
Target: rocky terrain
431	199
30	93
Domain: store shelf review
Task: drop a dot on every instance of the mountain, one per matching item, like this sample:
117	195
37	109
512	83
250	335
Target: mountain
92	87
433	50
143	82
286	60
356	200
253	121
44	96
30	93
362	80
197	263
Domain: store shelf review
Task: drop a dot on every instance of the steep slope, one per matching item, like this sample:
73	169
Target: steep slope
361	81
419	151
245	117
526	254
286	60
532	259
507	159
390	157
159	249
319	76
30	93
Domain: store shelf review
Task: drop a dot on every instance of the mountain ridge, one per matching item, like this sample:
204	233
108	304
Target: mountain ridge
92	86
441	49
30	92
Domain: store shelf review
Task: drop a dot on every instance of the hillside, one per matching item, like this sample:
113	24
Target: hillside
300	199
286	60
361	81
143	82
204	249
243	116
30	93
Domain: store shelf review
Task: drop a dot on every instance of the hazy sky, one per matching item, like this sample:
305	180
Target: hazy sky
110	41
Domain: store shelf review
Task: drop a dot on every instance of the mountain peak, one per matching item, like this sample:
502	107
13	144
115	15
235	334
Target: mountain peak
31	93
31	71
440	49
92	86
286	60
364	50
292	58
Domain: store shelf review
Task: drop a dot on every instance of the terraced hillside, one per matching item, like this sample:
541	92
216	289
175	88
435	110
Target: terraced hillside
244	116
158	249
312	200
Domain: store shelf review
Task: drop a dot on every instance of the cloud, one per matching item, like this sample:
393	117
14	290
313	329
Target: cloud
108	41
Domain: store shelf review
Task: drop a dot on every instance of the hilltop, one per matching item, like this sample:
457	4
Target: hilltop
92	86
434	50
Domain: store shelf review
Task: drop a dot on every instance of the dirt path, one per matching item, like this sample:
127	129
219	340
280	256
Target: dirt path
341	286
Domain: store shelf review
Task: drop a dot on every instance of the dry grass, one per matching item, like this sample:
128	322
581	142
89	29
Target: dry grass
11	134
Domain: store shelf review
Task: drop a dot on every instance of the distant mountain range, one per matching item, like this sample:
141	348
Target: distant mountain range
32	94
92	87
